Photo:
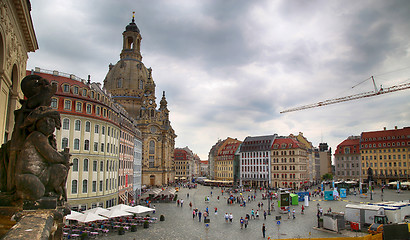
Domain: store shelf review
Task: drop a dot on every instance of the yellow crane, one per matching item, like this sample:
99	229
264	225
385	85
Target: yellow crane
353	97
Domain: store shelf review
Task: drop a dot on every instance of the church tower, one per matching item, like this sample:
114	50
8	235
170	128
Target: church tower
131	84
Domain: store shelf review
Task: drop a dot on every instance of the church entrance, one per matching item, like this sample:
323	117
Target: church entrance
152	180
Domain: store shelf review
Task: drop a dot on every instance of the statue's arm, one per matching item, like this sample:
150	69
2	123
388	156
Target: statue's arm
41	143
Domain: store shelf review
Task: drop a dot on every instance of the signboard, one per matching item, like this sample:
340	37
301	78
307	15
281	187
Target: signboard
278	222
284	199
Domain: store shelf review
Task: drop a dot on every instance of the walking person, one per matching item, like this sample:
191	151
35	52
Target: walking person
263	230
199	215
226	217
293	213
246	222
303	209
193	214
264	214
241	221
230	217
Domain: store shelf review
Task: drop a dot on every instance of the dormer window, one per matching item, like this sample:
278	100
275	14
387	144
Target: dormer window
66	88
92	94
84	92
75	90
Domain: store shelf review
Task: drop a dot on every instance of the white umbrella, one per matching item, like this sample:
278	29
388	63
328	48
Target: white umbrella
405	183
116	213
97	210
73	215
90	217
142	209
123	207
392	183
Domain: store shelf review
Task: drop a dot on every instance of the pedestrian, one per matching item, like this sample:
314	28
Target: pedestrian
193	214
216	211
253	214
288	212
241	221
264	214
205	215
190	204
257	214
187	195
178	202
246	221
199	215
293	213
182	202
303	209
226	217
230	217
263	230
318	218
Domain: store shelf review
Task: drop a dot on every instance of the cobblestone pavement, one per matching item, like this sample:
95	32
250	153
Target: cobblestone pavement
179	223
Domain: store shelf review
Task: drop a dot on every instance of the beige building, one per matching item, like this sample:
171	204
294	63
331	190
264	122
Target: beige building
325	158
224	164
289	164
131	84
17	38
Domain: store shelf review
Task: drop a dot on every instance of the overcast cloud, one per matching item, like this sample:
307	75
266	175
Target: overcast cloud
229	67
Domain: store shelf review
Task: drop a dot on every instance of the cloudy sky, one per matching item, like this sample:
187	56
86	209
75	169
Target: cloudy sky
230	67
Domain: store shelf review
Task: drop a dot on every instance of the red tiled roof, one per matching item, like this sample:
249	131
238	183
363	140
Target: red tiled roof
352	144
288	141
386	133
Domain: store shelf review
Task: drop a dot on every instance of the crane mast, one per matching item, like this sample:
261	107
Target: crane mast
352	97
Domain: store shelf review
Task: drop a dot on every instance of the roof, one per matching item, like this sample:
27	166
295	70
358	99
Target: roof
286	143
351	143
258	143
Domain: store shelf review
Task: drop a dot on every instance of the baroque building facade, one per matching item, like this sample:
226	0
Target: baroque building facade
97	131
131	84
17	38
348	160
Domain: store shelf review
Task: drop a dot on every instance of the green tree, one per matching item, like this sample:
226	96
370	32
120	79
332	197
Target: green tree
327	176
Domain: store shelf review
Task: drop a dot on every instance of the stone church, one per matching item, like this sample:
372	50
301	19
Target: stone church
131	84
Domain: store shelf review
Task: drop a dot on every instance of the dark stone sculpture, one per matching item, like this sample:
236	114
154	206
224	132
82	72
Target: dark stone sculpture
31	168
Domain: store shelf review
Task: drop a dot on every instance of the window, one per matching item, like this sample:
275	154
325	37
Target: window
102	147
77	125
67	105
87	126
94	166
86	165
92	94
108	147
66	124
78	106
54	103
119	83
106	184
87	145
66	88
74	187
84	92
103	130
64	143
94	187
152	147
151	161
97	111
75	165
95	146
85	185
75	90
76	144
108	132
101	185
96	128
89	109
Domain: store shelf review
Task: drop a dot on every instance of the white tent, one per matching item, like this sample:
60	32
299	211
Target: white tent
97	210
90	217
405	183
392	183
142	209
73	215
123	207
116	213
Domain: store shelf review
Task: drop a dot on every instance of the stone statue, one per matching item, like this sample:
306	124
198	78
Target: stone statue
30	166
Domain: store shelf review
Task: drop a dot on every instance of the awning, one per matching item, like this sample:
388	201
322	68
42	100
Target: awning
132	193
123	197
392	183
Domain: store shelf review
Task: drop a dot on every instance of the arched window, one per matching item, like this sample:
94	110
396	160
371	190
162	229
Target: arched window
74	187
119	83
66	124
76	144
85	165
77	125
64	143
87	126
85	185
75	165
141	85
152	147
87	145
54	103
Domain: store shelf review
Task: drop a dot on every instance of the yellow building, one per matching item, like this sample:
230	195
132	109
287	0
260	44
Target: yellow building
224	164
387	153
17	38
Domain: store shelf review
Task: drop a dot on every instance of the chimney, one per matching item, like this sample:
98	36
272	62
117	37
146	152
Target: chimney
384	128
395	127
89	79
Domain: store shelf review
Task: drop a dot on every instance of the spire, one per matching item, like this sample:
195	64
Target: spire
163	102
133	16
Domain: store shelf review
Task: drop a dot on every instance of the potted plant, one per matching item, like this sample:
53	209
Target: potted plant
146	224
121	231
84	236
162	218
133	228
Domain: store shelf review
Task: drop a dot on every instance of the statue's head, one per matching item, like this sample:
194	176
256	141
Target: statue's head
46	115
33	84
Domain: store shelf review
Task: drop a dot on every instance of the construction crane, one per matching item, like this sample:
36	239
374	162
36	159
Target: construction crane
353	97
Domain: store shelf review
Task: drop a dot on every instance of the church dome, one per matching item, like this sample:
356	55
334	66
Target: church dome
132	27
